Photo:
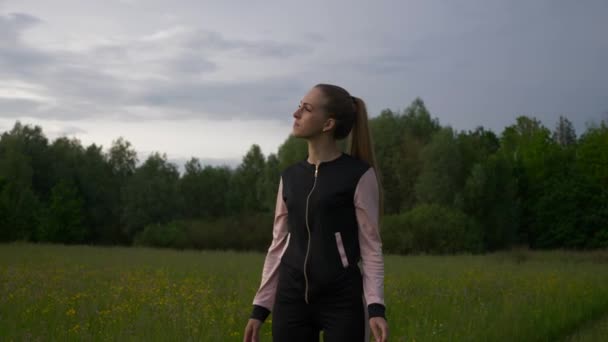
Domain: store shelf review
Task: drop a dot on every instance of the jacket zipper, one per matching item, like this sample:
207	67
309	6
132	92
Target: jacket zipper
308	229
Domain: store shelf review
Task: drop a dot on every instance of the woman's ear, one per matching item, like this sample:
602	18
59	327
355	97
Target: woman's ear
329	125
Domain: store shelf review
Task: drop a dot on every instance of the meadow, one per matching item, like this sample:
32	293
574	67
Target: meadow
56	292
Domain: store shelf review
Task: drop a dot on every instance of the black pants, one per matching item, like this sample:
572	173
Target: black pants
338	311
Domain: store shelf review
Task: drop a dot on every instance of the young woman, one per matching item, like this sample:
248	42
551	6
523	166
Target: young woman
324	269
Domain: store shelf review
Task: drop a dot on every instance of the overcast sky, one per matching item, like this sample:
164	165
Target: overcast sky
209	79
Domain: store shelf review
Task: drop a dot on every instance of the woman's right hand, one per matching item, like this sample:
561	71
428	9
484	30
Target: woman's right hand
252	330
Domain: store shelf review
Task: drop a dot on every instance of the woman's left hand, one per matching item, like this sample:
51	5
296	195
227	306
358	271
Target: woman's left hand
379	328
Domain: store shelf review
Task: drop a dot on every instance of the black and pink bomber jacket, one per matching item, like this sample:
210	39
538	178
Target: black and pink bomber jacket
326	219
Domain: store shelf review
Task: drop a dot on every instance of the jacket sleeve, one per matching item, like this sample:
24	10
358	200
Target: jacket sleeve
367	202
264	298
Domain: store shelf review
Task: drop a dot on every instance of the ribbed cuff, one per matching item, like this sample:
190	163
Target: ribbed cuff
376	310
260	313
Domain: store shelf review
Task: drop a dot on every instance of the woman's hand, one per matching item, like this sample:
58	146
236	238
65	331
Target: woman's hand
252	330
379	328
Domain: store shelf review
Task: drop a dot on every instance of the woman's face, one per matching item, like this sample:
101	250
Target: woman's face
310	117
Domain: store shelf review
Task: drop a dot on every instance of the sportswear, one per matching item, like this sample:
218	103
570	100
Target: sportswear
326	223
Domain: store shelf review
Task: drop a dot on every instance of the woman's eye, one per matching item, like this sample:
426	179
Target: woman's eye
306	108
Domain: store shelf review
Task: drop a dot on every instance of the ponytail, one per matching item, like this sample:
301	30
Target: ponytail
360	143
350	114
359	140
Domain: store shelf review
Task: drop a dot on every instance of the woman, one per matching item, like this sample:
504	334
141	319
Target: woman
326	222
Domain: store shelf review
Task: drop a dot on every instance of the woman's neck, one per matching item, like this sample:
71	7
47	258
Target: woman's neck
322	149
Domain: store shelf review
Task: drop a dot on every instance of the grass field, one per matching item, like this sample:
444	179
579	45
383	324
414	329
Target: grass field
596	330
57	292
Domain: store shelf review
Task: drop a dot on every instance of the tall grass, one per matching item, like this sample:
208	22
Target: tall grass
53	292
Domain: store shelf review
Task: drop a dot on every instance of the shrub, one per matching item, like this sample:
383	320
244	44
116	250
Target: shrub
431	228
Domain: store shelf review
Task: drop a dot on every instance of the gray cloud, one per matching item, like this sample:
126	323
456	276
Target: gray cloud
265	99
203	40
15	55
110	78
474	63
192	63
71	130
12	24
486	63
17	107
388	63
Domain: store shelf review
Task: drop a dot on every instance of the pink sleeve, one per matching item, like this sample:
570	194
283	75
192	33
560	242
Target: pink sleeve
280	238
367	201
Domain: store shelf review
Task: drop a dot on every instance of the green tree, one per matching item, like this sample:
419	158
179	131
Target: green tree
292	151
151	195
591	167
63	219
246	189
99	189
270	183
441	170
475	147
490	197
19	204
31	142
592	154
387	134
529	149
122	159
204	190
192	191
417	127
564	133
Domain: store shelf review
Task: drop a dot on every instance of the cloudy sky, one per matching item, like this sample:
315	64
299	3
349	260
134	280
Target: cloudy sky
210	78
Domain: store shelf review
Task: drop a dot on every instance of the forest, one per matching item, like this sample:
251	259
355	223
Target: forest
444	191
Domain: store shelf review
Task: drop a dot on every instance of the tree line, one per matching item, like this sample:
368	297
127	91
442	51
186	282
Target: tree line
445	191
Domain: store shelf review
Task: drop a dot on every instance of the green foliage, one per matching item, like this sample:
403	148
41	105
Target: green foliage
18	203
475	147
122	158
20	209
100	193
244	232
171	234
444	190
203	190
592	154
270	183
247	186
441	169
431	228
564	133
292	151
490	197
591	165
151	196
62	220
31	143
387	134
399	139
528	147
